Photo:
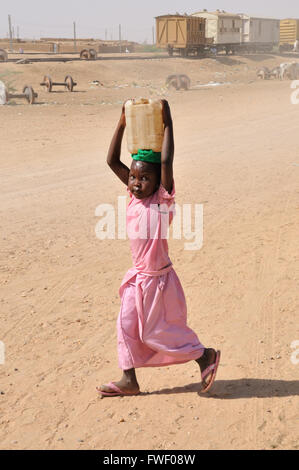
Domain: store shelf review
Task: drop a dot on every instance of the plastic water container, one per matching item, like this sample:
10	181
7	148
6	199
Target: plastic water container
144	125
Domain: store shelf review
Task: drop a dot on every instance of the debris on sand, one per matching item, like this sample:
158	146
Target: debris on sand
211	84
23	61
178	82
96	83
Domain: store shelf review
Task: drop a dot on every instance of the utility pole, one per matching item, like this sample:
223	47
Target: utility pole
119	38
153	30
10	33
75	37
106	34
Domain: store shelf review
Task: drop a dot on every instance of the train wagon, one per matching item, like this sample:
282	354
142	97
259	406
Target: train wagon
240	33
224	28
259	34
181	33
289	33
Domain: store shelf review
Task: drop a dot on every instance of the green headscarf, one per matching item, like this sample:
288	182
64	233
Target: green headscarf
147	156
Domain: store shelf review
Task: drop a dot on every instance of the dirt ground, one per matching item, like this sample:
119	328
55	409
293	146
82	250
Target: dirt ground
236	152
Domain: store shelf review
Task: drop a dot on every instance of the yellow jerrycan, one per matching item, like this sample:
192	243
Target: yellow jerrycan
144	125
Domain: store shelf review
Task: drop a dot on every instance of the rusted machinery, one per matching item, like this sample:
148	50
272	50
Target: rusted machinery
28	94
68	83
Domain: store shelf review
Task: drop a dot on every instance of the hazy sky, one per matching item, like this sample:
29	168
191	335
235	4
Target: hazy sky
96	18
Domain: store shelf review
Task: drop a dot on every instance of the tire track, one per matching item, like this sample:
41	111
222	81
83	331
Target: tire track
55	293
266	279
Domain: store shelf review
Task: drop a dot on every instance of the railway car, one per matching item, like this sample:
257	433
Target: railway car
289	33
224	28
259	34
181	33
213	32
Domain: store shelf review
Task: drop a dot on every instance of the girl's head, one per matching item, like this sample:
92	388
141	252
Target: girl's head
144	178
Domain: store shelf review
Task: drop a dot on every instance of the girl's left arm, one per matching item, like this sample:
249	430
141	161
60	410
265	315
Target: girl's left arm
167	152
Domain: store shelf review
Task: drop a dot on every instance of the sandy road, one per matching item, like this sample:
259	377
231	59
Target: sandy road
237	153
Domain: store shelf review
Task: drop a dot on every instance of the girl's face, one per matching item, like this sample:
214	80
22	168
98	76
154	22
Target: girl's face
143	179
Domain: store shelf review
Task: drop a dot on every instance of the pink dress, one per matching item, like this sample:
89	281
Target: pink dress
152	324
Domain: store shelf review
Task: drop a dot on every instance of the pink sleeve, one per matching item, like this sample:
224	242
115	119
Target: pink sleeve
164	197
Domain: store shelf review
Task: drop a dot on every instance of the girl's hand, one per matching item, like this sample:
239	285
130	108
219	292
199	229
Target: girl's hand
123	114
122	119
166	115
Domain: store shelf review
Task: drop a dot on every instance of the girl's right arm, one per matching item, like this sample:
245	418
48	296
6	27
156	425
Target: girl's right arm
113	157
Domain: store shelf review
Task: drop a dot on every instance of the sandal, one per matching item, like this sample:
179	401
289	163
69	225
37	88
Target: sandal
212	369
117	392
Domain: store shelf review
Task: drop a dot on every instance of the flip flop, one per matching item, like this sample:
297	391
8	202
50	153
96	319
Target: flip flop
117	391
210	369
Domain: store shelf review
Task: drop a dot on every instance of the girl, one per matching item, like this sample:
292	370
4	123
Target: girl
151	328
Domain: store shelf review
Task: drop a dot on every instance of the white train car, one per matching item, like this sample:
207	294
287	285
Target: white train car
259	33
225	28
237	33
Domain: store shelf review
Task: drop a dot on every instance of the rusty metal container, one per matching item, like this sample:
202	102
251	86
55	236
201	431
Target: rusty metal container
180	32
